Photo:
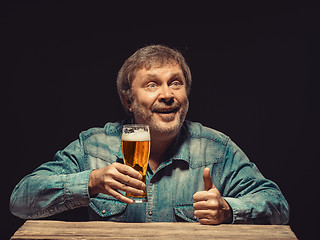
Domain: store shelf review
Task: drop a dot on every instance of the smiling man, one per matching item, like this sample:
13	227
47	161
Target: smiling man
195	173
161	101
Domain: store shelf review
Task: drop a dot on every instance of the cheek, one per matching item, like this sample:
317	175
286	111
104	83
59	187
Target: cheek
146	99
183	98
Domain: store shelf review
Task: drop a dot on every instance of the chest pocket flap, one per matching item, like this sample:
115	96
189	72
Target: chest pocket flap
184	213
107	206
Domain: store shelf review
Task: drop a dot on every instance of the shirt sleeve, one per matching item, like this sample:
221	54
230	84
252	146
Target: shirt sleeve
54	187
252	198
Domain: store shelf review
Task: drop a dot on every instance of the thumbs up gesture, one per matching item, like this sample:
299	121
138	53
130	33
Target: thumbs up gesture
209	206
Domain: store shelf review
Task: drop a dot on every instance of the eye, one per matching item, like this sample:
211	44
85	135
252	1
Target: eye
176	84
151	85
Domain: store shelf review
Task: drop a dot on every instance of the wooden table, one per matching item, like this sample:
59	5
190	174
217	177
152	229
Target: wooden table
44	229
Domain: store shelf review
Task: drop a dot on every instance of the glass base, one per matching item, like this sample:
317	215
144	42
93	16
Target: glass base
139	200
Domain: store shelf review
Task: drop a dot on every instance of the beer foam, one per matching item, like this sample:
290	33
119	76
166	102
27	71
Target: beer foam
136	136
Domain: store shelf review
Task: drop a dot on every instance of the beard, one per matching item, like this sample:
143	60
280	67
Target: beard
163	119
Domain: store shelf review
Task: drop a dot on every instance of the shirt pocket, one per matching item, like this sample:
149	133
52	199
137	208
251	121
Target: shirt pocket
108	207
184	212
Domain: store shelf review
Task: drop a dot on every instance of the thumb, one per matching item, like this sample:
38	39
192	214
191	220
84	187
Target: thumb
208	184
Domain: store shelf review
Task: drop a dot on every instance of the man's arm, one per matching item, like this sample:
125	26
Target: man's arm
245	195
253	198
61	185
54	187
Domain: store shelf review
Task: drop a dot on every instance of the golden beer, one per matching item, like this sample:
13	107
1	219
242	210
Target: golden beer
136	155
136	150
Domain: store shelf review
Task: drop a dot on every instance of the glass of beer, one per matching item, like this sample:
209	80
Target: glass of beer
136	149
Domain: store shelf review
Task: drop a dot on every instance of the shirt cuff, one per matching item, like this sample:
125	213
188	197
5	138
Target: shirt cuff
76	189
241	212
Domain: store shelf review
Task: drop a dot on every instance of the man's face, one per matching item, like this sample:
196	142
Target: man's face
160	99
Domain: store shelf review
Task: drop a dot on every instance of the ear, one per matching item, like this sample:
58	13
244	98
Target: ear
128	104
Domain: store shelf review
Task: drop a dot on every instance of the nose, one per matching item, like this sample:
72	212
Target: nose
166	94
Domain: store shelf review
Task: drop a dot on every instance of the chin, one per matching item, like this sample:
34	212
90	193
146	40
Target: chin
165	128
160	125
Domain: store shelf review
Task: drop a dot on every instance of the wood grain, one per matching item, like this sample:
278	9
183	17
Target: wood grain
43	229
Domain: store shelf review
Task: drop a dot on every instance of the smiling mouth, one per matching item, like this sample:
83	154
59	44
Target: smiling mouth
166	110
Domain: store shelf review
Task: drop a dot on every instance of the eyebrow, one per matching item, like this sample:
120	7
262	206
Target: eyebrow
173	75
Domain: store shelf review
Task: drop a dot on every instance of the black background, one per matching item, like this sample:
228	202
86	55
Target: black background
255	70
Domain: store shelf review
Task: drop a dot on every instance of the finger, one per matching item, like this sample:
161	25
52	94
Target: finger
127	170
208	196
209	214
211	204
208	221
123	187
130	182
128	176
208	184
201	205
120	197
200	196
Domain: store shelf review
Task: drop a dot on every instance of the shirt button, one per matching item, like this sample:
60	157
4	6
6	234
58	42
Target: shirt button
103	211
150	213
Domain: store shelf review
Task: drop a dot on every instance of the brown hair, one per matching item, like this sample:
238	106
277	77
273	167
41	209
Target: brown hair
148	57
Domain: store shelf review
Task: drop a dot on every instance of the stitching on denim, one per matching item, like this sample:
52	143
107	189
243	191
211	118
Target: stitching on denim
178	210
197	130
107	214
98	154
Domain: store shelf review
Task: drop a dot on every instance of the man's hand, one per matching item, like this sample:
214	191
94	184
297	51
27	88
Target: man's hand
115	177
209	206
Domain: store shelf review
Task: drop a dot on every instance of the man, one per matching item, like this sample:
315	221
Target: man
195	173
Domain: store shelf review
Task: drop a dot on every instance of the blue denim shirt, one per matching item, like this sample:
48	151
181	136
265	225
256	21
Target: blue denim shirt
62	184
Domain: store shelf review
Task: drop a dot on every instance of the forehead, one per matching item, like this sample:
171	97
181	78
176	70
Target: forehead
159	71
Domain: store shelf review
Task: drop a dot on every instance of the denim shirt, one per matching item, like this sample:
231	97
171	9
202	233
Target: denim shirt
62	184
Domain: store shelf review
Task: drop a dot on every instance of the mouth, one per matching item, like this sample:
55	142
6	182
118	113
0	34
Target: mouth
166	110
